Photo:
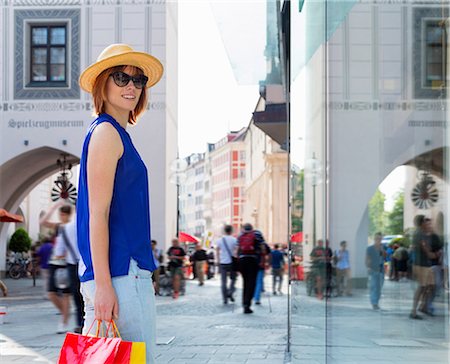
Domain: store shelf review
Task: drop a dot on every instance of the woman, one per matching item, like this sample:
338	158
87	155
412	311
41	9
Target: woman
113	199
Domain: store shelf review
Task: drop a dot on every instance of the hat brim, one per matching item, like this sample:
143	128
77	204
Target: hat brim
151	67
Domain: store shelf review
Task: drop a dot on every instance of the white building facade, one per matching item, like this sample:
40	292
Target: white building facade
43	49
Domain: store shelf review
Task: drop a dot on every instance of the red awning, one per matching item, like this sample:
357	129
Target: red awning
186	238
5	216
297	237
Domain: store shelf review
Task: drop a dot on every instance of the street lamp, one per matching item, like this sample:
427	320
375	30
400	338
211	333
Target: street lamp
313	172
177	177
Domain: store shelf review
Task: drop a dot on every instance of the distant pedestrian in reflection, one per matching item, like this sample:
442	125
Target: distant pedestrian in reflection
401	261
343	274
277	263
375	255
249	243
226	249
436	267
422	262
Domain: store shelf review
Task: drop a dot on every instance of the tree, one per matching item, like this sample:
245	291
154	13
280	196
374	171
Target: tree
20	241
394	220
376	213
297	181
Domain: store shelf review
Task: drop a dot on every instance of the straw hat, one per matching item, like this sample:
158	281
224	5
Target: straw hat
122	55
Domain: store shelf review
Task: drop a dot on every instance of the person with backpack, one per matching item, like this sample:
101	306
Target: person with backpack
249	251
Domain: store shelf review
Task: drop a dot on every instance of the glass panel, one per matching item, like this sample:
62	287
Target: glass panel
39	72
39	36
58	35
39	56
369	175
308	184
57	55
57	72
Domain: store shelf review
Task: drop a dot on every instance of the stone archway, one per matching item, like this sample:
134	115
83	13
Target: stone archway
20	175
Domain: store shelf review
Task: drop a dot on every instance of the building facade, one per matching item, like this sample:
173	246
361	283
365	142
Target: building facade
227	173
266	184
192	196
44	47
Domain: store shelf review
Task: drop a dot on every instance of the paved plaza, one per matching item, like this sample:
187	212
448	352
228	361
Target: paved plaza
197	328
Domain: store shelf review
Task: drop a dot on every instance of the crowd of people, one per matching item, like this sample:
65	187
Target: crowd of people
247	254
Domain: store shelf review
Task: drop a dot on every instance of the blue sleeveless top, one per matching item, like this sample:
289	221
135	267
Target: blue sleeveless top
129	218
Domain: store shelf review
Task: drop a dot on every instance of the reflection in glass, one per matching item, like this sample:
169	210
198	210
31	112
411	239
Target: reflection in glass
372	86
39	56
57	55
57	36
39	73
39	36
57	73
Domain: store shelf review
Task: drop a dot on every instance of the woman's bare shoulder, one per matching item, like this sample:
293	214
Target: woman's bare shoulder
106	136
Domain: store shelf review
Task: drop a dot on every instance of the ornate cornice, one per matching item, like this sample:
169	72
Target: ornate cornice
388	106
65	106
54	3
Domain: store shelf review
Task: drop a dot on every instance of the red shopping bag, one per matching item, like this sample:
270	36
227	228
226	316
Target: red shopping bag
82	349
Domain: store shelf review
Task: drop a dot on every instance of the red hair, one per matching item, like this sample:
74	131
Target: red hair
99	93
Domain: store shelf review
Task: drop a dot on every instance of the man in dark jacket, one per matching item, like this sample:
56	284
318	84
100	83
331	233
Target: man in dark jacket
249	250
198	259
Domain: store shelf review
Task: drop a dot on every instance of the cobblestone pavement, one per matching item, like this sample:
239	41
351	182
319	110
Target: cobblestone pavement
196	328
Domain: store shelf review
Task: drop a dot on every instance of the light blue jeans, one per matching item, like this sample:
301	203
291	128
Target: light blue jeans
137	312
375	286
259	285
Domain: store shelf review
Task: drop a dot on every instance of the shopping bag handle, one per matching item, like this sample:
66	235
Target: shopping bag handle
111	324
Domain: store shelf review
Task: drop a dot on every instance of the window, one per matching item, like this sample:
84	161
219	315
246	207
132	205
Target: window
48	55
429	54
198	185
434	54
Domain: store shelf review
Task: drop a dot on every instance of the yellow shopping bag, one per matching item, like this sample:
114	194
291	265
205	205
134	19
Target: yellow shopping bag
129	352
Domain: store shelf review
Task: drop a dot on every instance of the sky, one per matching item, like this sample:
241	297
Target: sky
219	73
211	101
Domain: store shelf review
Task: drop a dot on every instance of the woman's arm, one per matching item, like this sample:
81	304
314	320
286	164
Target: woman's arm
105	149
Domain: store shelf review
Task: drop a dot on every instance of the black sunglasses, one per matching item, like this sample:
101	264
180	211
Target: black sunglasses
122	79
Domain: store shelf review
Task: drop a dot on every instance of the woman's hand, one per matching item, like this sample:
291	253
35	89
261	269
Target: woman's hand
106	306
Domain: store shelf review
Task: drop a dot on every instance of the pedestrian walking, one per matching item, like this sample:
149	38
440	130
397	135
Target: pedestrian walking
113	205
343	274
44	253
158	256
226	251
262	265
211	262
277	264
199	259
375	266
176	255
249	250
422	266
65	253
